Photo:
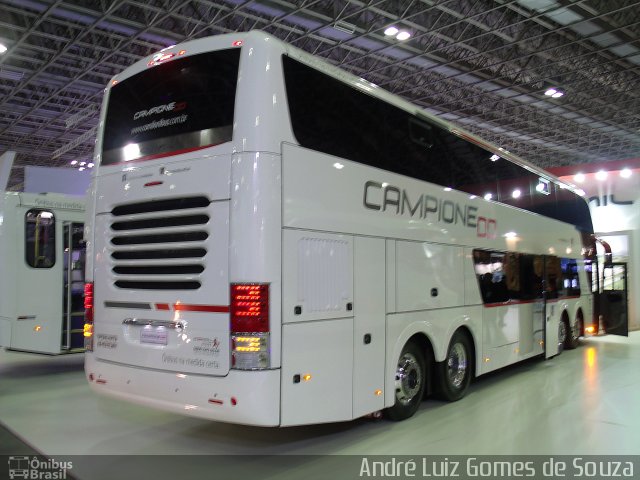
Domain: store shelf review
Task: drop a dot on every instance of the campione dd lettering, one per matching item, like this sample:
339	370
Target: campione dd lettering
378	196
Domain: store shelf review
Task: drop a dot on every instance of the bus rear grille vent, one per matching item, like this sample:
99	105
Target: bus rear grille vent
160	244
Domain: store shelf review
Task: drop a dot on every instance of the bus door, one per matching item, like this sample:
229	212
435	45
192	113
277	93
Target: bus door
38	323
613	299
551	346
73	287
551	275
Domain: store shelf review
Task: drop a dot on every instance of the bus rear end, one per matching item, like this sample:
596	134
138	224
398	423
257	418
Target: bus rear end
170	322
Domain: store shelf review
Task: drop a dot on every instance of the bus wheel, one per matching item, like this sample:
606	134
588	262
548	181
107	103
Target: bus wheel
563	330
573	336
410	383
455	372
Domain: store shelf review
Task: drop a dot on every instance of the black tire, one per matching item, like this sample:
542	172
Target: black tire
410	381
563	334
573	334
455	373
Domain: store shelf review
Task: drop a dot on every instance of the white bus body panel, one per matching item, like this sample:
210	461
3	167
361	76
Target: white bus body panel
317	276
143	373
251	398
369	338
428	276
201	345
332	333
325	193
323	350
255	231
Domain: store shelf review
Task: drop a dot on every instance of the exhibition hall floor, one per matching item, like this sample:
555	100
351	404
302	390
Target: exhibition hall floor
583	402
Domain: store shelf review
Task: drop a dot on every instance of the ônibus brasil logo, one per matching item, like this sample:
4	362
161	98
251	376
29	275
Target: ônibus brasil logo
34	468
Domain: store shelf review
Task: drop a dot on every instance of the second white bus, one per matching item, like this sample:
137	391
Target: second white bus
276	242
42	276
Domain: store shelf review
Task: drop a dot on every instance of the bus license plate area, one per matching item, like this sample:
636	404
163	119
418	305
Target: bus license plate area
154	335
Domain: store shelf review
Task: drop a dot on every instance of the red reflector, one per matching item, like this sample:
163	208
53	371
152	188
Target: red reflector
181	307
250	307
216	401
234	402
153	184
101	381
237	43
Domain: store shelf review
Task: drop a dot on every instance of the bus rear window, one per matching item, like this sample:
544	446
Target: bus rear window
181	105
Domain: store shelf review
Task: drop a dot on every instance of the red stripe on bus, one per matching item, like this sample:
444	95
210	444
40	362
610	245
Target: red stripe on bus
183	307
522	302
162	306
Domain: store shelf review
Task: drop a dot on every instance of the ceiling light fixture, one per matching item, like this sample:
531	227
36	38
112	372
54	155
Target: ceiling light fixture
579	177
345	27
393	31
601	175
626	173
554	92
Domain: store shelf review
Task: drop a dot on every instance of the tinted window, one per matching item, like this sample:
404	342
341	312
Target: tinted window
515	276
570	279
40	239
330	116
182	104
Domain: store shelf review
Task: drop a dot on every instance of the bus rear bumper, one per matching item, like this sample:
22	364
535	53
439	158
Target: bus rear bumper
242	397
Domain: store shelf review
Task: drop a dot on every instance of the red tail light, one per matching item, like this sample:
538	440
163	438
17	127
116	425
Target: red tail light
250	307
88	316
250	348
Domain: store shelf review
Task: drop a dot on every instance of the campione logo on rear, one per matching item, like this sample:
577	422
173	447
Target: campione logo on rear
167	107
384	197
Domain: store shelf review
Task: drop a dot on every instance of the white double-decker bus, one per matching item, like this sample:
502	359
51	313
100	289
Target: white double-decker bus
276	242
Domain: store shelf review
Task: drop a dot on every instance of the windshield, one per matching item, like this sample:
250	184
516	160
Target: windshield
178	106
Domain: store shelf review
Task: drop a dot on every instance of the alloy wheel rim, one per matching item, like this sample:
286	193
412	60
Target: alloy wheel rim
408	378
457	365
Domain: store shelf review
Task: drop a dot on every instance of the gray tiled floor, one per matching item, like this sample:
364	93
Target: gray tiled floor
586	401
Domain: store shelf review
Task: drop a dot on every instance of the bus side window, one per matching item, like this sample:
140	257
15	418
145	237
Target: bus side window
40	238
570	279
490	268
